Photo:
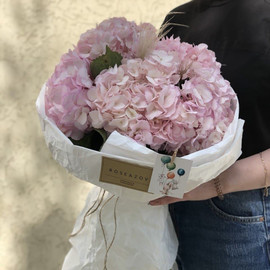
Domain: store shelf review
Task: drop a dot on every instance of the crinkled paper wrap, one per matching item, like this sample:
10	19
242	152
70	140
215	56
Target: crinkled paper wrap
145	238
86	163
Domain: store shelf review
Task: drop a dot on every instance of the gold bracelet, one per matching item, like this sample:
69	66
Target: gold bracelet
218	188
265	176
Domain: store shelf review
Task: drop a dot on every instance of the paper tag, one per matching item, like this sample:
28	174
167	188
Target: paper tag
169	178
125	174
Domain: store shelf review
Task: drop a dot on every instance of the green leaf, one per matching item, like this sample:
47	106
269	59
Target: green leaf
105	61
93	140
102	133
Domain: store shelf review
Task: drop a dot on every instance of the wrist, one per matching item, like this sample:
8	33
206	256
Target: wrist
229	180
241	177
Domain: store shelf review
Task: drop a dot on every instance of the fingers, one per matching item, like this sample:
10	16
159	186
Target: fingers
164	200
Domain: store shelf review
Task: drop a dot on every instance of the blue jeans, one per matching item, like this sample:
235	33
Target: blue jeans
233	234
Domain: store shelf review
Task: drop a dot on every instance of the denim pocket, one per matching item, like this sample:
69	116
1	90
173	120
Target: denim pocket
244	207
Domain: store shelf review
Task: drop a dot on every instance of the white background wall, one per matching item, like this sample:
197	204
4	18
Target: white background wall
39	200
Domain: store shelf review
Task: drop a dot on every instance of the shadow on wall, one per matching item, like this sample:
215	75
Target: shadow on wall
46	242
35	190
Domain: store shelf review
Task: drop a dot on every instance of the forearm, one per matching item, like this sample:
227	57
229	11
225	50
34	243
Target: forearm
246	174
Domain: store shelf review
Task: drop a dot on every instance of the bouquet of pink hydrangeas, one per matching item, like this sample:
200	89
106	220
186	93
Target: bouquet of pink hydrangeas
162	93
126	93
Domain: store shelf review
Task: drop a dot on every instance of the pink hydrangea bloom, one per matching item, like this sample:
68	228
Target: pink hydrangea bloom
166	94
66	97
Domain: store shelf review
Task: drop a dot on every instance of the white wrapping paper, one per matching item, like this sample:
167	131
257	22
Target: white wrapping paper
145	238
86	163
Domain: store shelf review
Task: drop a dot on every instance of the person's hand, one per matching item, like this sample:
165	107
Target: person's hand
202	192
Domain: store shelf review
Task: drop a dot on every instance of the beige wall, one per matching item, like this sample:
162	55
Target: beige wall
39	200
